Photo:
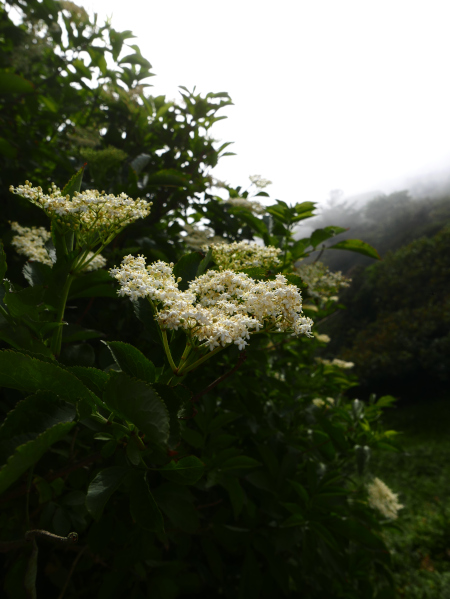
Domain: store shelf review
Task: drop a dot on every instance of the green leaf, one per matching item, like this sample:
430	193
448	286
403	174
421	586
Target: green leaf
186	268
77	354
48	103
144	313
235	492
241	462
176	503
301	491
168	178
138	403
29	453
173	399
204	264
102	487
296	280
304	207
132	361
143	506
37	273
97	278
192	437
186	471
10	83
3	265
23	303
7	149
21	338
34	415
94	379
356	245
321	235
19	371
356	531
256	224
74	184
74	332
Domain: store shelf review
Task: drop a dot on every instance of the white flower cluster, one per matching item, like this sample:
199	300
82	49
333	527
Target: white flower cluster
218	308
322	337
320	402
251	205
196	238
87	211
322	283
259	182
336	362
381	498
30	242
243	254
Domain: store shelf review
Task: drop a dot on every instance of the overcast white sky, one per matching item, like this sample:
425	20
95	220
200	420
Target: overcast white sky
327	94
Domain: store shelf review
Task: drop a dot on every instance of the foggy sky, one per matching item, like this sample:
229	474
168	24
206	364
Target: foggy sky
327	95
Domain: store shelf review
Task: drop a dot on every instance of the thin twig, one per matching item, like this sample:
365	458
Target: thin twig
242	358
71	571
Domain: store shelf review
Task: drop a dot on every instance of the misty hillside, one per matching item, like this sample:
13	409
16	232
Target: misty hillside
386	221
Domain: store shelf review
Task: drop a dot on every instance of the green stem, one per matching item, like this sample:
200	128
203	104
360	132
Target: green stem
203	359
167	350
55	345
187	351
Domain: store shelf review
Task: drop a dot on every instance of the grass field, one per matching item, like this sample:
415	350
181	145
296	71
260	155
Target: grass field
421	477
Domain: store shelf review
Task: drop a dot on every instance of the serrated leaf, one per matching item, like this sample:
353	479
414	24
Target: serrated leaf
186	268
132	361
19	371
138	403
186	471
29	453
102	487
173	400
356	245
35	414
94	379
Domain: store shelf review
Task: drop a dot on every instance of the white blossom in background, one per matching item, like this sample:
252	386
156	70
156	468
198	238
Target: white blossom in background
336	362
322	337
381	498
259	182
30	242
219	307
320	402
323	284
251	205
197	238
243	254
88	211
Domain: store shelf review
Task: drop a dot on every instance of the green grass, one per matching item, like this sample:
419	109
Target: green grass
421	477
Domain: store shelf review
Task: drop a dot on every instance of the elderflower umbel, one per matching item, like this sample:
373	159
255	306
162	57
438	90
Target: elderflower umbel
322	283
335	362
30	242
251	205
218	308
320	402
196	238
243	254
88	211
322	337
381	498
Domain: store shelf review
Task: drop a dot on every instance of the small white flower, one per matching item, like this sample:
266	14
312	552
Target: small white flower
381	498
